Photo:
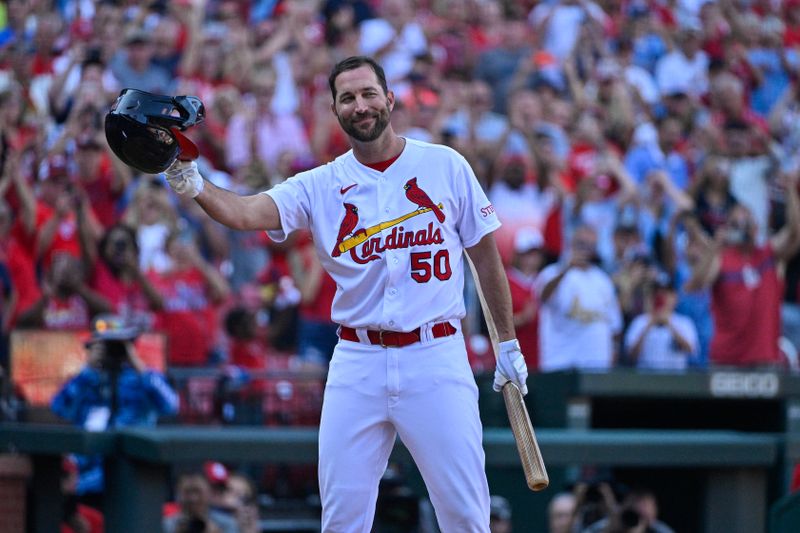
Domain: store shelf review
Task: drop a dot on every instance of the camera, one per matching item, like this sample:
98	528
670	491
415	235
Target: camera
629	518
116	349
114	353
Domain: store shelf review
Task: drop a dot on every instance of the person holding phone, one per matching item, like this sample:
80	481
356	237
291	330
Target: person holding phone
660	338
579	315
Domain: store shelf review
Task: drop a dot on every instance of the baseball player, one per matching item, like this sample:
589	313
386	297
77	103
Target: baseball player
391	221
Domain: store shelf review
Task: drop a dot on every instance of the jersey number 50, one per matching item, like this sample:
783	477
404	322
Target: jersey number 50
425	263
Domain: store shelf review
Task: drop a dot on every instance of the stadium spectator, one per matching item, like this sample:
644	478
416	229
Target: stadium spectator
661	339
67	302
561	24
520	203
257	136
634	272
8	293
711	192
475	123
683	250
242	497
79	92
528	260
133	65
775	64
193	494
316	332
63	213
499	515
247	347
560	512
684	69
601	187
658	200
745	279
192	291
498	65
663	155
641	80
112	265
393	38
167	38
579	313
785	128
750	169
637	513
232	495
531	126
114	389
595	502
17	233
153	218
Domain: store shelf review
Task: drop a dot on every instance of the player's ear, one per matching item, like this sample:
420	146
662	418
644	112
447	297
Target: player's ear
390	100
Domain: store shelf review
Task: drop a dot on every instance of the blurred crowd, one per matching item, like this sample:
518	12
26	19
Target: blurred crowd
642	155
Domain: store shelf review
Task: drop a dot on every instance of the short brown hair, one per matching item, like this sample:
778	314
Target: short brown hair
352	63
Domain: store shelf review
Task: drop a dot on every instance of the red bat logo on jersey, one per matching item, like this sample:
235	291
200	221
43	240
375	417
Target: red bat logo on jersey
420	197
346	227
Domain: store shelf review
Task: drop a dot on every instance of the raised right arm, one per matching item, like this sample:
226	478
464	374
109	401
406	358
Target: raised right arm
253	212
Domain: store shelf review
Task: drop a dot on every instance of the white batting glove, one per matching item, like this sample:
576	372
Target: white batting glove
510	366
184	178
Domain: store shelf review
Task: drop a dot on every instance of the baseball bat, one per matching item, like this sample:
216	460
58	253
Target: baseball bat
527	446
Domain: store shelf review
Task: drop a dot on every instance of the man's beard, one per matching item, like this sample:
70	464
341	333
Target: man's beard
381	121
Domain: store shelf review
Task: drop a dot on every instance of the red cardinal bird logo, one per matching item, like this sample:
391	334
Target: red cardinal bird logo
348	225
419	197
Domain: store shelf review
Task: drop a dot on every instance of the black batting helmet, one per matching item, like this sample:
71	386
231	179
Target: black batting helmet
144	129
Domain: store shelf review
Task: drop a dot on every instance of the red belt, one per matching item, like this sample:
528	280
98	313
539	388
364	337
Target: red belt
396	339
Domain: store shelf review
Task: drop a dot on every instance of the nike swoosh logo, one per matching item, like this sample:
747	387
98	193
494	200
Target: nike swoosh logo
345	189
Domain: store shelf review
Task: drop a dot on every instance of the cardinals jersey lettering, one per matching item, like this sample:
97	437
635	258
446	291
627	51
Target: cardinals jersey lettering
393	241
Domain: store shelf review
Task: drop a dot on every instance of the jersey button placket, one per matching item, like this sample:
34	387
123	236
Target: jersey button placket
384	197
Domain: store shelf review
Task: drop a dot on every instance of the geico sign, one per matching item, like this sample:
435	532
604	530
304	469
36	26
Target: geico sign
744	384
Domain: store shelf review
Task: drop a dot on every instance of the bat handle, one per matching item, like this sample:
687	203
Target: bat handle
528	447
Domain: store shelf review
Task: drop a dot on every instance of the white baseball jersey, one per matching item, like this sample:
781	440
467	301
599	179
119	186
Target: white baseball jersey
578	322
392	240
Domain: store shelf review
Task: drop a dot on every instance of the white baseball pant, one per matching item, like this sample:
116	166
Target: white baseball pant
426	394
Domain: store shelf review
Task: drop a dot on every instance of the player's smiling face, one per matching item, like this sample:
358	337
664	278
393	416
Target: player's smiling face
361	105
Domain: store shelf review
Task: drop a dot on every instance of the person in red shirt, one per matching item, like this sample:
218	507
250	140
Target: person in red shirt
8	293
102	176
67	303
248	347
316	332
747	285
17	234
192	290
528	260
113	271
57	213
